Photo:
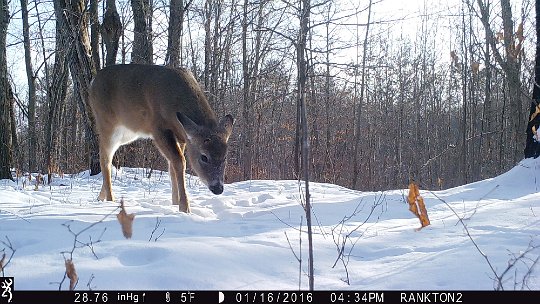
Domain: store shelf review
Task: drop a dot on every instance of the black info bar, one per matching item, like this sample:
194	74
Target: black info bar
266	296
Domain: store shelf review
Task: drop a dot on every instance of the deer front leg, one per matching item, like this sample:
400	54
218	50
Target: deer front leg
174	184
166	143
181	177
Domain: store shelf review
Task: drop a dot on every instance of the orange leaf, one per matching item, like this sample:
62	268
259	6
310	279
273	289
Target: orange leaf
519	32
71	274
417	206
126	221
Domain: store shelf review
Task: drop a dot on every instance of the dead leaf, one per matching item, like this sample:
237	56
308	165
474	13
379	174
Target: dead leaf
500	37
519	32
126	221
417	206
71	274
454	57
475	67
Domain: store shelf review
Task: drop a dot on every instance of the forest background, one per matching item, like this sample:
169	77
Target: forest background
438	93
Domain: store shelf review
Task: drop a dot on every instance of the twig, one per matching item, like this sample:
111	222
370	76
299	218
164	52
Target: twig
9	246
499	278
158	223
299	255
78	244
343	237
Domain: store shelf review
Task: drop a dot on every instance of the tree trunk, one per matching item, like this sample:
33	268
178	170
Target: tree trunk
111	30
94	33
31	90
142	42
511	66
56	92
208	7
246	107
5	98
532	146
302	79
176	21
82	72
358	127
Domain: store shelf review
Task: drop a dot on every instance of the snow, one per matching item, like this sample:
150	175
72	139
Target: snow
240	239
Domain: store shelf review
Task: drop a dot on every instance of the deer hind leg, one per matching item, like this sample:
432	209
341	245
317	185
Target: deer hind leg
109	142
166	143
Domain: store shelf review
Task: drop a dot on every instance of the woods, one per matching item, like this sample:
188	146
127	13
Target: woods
442	96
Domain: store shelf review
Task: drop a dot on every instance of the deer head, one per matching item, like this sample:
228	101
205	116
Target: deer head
207	150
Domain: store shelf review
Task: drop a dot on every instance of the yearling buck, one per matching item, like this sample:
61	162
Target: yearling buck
167	105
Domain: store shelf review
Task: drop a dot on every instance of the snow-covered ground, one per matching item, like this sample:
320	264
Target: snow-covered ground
245	238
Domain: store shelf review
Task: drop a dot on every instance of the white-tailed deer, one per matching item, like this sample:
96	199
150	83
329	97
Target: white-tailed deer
147	101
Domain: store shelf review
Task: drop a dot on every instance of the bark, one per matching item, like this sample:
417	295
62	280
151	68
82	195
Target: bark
176	21
57	90
511	66
5	98
111	31
82	71
246	107
94	33
305	149
142	38
358	127
208	4
32	142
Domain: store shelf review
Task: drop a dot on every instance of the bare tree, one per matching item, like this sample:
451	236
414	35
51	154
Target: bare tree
142	51
111	31
246	104
510	64
31	89
358	110
94	33
82	71
532	146
57	89
305	9
5	98
176	22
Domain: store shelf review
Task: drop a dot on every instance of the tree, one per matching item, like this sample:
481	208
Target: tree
5	98
142	51
82	71
176	21
57	88
358	111
31	89
532	145
509	61
305	9
111	31
94	33
246	104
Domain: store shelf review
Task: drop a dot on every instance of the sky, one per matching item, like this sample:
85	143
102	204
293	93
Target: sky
249	237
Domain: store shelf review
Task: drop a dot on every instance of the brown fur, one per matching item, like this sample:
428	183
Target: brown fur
147	101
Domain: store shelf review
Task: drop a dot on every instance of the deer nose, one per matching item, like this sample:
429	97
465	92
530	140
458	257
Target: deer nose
216	188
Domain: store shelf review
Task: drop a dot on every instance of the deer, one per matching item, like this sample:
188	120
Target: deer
167	105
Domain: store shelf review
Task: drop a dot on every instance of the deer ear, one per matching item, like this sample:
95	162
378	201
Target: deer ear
226	124
190	127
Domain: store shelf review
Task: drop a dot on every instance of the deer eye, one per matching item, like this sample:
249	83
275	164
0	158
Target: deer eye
204	158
